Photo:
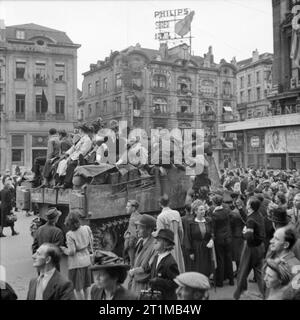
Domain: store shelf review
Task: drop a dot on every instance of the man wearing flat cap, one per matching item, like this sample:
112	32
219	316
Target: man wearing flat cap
49	233
144	251
192	286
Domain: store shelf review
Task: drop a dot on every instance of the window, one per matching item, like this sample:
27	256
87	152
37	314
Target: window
258	93
118	106
59	72
242	82
20	69
89	89
97	108
159	81
249	80
97	87
17	152
257	77
249	95
105	106
60	107
159	105
118	81
40	72
241	96
89	109
20	106
105	85
226	88
184	84
20	34
40	109
185	106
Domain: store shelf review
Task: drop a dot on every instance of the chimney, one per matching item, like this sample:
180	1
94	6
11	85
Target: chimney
255	56
163	50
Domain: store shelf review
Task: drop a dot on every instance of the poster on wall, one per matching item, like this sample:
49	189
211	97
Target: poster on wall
293	139
275	141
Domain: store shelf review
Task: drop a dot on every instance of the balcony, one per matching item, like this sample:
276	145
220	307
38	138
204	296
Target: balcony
40	82
40	116
20	116
185	92
185	115
159	114
160	89
228	118
60	116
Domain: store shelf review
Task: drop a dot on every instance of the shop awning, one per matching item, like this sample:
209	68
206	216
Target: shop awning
227	109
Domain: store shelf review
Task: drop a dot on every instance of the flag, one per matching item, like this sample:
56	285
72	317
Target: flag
183	26
44	105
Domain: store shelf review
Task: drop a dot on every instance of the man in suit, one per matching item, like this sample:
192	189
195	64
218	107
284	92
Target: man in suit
50	284
49	233
138	276
294	215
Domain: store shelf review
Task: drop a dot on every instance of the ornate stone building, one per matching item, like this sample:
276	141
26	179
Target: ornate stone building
34	60
272	139
165	88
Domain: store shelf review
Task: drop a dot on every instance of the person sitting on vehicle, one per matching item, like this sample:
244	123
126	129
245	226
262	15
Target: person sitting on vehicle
82	147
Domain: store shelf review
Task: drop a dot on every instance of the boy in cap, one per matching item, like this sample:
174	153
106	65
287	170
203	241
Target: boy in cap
192	286
49	233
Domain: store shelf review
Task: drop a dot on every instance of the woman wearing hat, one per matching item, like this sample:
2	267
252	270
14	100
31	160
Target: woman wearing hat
109	273
164	268
200	239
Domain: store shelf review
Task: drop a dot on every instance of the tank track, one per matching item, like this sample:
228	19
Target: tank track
109	234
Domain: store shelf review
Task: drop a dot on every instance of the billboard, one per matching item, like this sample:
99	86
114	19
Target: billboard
275	141
293	139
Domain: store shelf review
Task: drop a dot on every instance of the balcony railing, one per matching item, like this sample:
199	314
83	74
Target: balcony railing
40	116
159	114
20	115
40	82
60	116
186	115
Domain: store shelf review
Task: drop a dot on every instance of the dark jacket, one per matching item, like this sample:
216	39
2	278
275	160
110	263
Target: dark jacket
53	147
162	276
58	288
48	234
7	292
221	224
256	222
120	294
65	145
6	205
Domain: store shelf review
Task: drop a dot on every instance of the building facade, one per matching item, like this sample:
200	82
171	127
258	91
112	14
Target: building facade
271	140
165	88
38	90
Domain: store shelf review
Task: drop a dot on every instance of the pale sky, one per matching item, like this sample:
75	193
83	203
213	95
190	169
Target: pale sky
231	27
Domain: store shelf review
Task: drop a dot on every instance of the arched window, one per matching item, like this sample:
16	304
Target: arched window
185	106
184	84
159	81
160	105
